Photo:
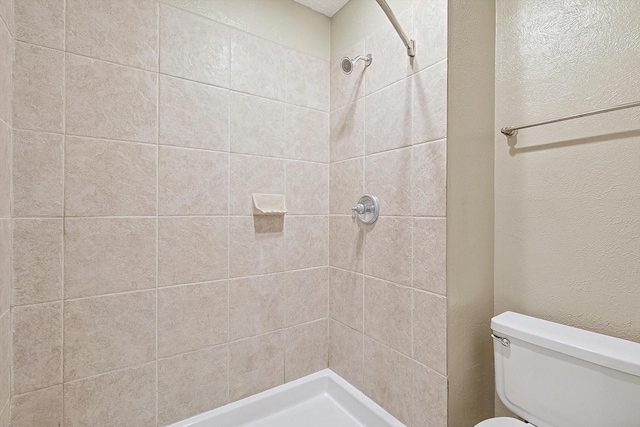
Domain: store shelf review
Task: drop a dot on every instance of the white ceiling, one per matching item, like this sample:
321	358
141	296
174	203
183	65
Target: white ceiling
326	7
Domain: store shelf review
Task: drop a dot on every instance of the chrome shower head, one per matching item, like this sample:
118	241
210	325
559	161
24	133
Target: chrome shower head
347	63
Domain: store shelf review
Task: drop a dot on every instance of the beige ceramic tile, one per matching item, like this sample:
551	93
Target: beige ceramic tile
388	176
430	254
256	245
193	114
6	249
257	66
345	352
192	182
390	60
307	188
257	125
5	358
7	15
256	305
346	243
104	100
388	379
6	57
37	174
346	296
192	317
125	32
106	333
346	185
430	26
306	295
253	175
429	171
37	260
38	87
430	330
347	131
122	398
40	22
430	104
193	47
37	347
306	134
255	364
5	170
109	255
429	404
388	250
109	178
5	414
344	88
387	314
307	242
192	250
307	81
42	408
192	383
306	349
388	118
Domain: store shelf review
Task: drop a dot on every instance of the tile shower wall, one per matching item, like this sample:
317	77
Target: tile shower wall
144	290
388	281
6	61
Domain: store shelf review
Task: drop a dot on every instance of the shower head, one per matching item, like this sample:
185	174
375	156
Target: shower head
347	63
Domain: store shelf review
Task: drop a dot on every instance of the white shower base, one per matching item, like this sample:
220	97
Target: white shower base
322	399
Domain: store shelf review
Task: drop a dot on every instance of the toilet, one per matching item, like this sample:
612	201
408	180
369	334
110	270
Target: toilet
554	375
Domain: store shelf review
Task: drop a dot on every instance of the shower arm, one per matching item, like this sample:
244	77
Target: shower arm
409	43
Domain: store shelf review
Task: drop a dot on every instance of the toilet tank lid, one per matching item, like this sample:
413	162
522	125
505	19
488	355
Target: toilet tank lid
614	353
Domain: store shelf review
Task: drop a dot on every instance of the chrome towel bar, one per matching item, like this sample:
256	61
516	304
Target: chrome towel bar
513	130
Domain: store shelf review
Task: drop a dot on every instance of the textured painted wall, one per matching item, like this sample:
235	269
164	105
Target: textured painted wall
470	173
567	224
7	32
144	289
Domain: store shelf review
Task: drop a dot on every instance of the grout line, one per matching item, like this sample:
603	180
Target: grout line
161	287
205	18
6	406
157	216
64	194
60	384
409	217
229	238
405	147
368	276
165	74
283	340
10	35
364	156
158	144
90	377
217	216
9	311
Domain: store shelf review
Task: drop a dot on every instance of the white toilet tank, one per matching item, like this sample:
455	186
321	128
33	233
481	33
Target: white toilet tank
554	375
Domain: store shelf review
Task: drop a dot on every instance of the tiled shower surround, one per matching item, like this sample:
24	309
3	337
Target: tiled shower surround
144	289
388	325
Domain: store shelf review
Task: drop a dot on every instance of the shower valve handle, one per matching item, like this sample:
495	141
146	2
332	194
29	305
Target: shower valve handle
358	209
